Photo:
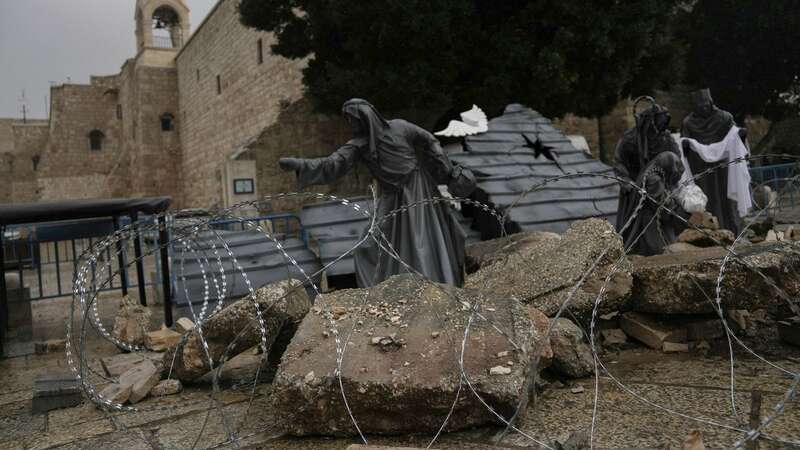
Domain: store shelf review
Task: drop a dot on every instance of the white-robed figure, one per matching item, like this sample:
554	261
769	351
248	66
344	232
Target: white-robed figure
426	236
710	138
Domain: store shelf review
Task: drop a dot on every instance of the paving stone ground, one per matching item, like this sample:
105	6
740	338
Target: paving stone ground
685	383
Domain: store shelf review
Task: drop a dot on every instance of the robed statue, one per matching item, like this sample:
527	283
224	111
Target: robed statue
408	164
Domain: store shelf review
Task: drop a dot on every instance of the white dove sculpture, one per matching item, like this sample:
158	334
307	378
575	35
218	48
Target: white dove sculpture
472	122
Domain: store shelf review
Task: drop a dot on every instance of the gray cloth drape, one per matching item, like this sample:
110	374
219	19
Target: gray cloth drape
408	163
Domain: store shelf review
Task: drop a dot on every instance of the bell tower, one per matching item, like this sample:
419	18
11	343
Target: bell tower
162	25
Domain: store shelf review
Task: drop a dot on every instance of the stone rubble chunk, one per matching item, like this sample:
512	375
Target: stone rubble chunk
54	391
543	273
680	247
161	340
166	387
421	376
650	331
184	325
132	322
739	317
706	238
141	378
380	447
681	283
116	365
282	305
499	370
117	393
572	355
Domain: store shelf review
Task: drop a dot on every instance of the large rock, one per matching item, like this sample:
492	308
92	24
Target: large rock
140	378
706	238
400	371
572	355
484	253
543	274
680	283
282	305
116	365
132	322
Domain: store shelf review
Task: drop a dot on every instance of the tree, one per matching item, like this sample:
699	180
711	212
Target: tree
579	56
747	52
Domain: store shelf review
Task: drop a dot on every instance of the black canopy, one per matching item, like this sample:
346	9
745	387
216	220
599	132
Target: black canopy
18	213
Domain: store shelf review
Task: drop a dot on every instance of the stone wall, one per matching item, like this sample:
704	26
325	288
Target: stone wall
214	123
76	110
20	143
298	131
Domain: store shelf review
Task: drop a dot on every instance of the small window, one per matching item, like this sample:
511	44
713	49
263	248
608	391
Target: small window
219	85
198	74
96	140
35	159
167	122
119	112
260	45
243	186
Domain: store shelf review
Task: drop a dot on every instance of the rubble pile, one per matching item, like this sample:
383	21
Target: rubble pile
401	364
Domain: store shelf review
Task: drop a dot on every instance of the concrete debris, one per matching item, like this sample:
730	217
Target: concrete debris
740	318
55	391
485	253
380	447
116	365
575	441
571	353
116	393
499	370
161	340
282	305
132	322
704	220
706	238
141	378
421	393
681	283
543	274
771	236
650	331
578	389
166	387
183	325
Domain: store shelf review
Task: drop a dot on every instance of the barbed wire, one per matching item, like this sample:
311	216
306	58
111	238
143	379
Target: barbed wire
209	247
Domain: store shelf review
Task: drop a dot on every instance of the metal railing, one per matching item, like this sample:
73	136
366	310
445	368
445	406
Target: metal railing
779	179
44	257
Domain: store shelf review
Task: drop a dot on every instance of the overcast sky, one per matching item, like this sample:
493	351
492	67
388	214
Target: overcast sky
44	41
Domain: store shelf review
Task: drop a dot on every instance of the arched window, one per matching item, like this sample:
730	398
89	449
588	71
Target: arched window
96	139
166	28
167	122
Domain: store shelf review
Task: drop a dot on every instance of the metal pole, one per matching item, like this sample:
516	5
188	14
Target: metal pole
166	283
123	268
137	251
3	296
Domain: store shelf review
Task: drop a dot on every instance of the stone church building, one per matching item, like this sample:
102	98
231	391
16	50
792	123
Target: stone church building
202	118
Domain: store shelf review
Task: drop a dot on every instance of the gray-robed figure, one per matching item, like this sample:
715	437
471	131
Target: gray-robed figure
708	124
659	179
638	147
408	164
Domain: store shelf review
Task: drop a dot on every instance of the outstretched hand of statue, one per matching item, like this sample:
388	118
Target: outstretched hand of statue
290	163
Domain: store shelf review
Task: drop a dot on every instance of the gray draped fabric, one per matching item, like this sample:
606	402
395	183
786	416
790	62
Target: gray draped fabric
637	148
659	178
709	124
427	237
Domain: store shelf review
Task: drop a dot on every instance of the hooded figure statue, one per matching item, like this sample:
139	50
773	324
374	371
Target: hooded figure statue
637	148
659	178
708	124
408	164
